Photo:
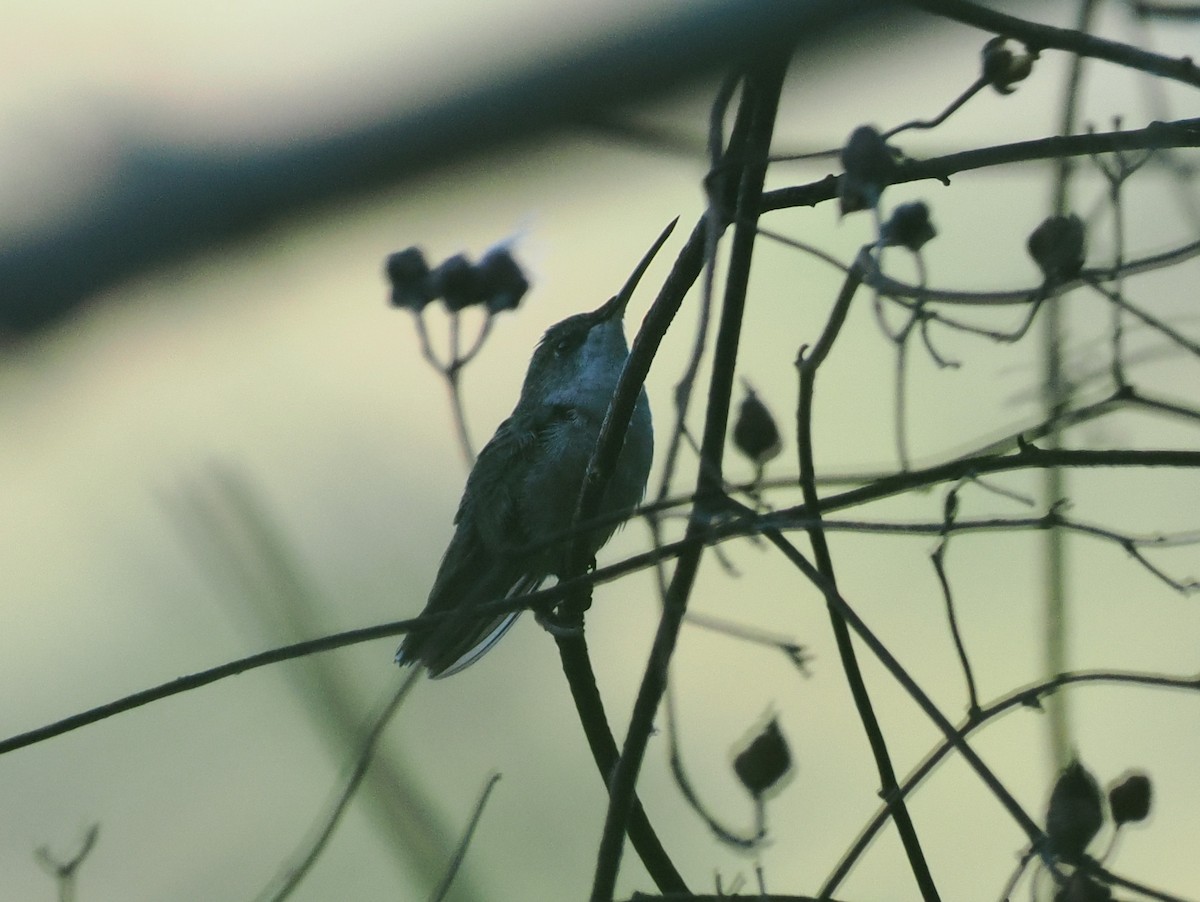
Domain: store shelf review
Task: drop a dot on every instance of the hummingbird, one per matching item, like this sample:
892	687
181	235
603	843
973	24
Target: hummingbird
512	525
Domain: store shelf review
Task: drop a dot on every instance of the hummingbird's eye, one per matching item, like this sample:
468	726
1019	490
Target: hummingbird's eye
566	344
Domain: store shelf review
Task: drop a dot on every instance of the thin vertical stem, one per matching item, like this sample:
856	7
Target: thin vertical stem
460	416
452	384
939	566
1056	392
808	366
761	92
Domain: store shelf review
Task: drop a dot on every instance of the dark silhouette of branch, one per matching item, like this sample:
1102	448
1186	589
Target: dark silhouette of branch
1188	12
722	195
808	364
573	651
1027	697
572	646
581	679
1028	456
1054	519
1039	37
938	558
906	682
898	290
724	897
1165	329
884	487
203	678
727	835
1181	133
761	89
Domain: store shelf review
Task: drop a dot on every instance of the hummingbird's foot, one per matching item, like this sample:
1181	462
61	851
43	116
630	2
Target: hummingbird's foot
561	626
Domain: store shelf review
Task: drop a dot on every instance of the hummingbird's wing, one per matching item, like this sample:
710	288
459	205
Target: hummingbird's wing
480	564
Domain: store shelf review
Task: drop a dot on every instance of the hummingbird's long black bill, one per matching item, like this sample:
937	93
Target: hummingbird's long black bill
615	307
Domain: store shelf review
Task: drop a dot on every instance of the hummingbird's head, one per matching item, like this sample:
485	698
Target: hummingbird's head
579	360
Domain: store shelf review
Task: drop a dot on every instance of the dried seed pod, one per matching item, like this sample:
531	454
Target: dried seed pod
909	227
755	433
1130	799
765	762
408	274
1075	813
456	282
502	283
870	166
1057	246
1002	68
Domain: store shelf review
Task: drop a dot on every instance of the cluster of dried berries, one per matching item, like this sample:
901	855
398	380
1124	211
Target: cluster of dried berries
1076	811
495	283
871	164
1074	817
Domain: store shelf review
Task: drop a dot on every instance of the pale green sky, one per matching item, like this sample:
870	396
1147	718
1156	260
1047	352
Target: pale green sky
280	359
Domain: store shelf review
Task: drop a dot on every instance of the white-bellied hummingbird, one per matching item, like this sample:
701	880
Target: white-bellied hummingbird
513	523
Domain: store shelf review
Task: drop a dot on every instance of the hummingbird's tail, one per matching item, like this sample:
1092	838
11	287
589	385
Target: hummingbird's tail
466	580
438	669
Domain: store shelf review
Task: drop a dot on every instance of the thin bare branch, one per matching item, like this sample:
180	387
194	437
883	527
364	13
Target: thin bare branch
460	854
291	875
1036	36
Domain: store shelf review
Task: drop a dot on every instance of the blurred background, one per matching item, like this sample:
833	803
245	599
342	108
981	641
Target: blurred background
216	437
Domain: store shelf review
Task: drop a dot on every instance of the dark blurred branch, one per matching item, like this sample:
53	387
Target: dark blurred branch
1144	9
164	204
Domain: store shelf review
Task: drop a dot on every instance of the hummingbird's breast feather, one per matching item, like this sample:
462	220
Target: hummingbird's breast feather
553	481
